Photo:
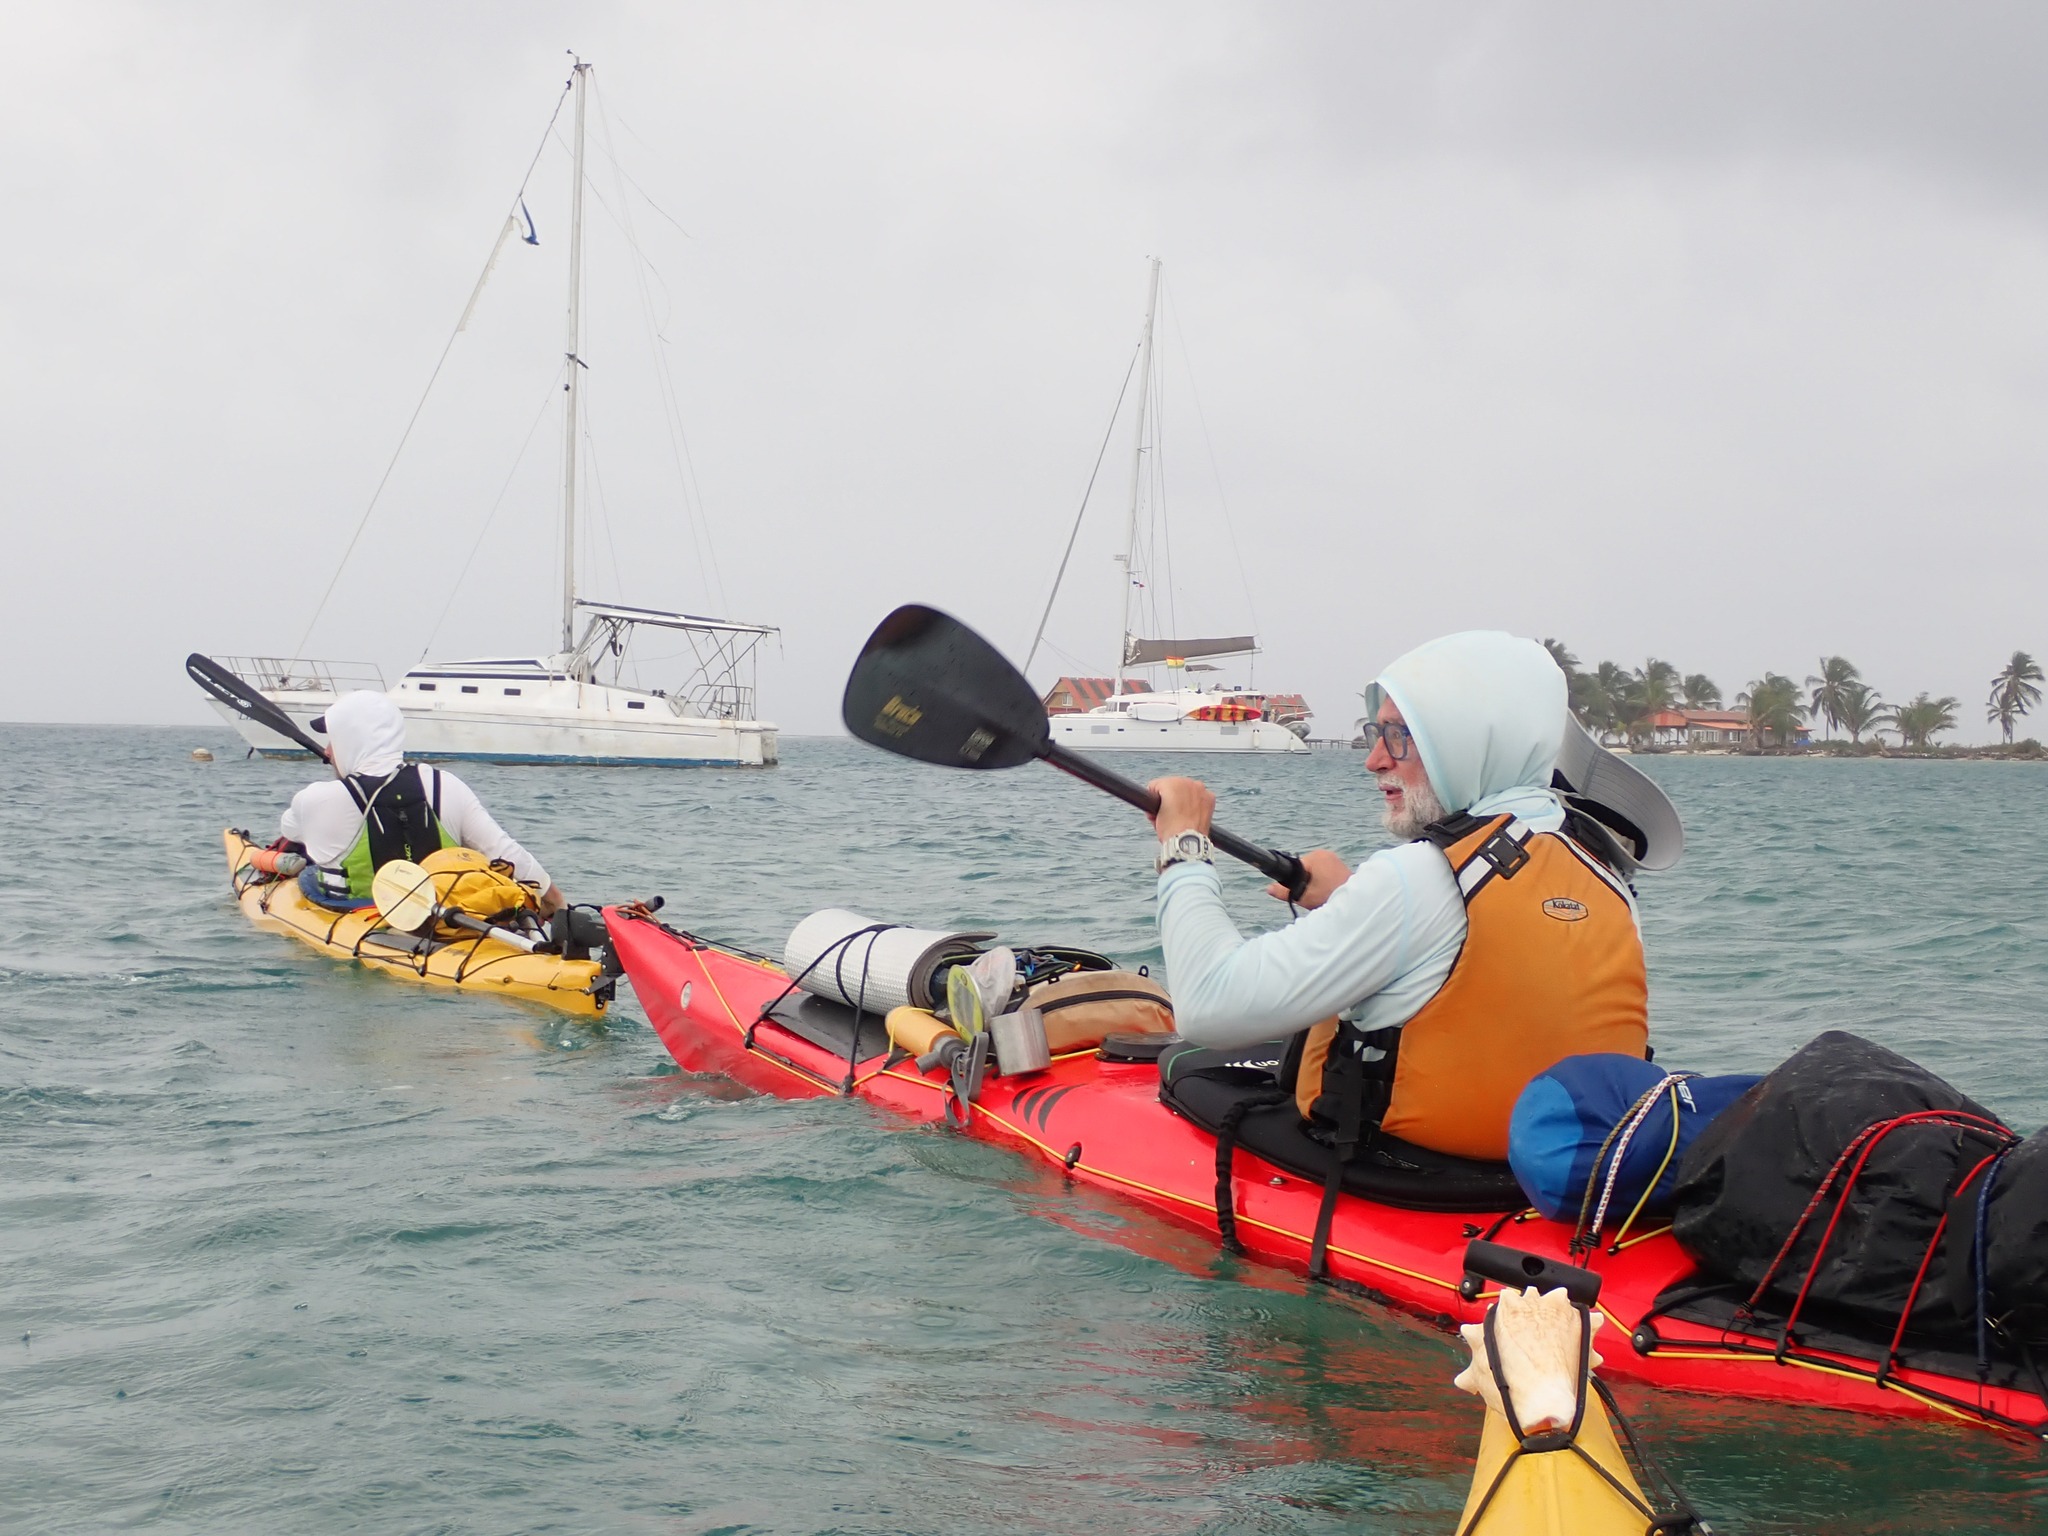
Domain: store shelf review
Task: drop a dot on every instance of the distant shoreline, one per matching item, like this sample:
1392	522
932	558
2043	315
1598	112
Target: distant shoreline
2028	751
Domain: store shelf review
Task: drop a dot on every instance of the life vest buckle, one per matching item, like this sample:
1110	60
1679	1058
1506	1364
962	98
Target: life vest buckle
1503	853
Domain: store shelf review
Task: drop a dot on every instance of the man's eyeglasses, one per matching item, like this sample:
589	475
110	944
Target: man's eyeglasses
1392	734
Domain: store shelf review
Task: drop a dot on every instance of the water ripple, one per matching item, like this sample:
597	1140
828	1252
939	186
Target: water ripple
295	1247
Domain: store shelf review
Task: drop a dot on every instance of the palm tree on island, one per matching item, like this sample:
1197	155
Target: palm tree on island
1700	692
1579	691
2014	692
1607	698
1860	709
1774	709
1650	692
1919	722
1837	675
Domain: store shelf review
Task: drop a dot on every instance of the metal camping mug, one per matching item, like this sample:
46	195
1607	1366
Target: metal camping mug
1019	1039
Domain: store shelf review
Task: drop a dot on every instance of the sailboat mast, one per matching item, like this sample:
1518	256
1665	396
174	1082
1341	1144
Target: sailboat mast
1123	638
574	366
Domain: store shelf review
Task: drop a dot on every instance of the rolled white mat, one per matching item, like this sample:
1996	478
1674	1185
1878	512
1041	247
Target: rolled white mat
829	955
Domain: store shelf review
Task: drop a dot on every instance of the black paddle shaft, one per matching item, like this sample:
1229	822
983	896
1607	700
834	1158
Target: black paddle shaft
232	691
927	687
1274	864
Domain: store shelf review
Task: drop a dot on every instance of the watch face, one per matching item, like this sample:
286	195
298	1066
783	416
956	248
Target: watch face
1188	845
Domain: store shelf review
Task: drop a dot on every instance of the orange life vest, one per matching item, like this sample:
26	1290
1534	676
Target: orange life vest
1552	966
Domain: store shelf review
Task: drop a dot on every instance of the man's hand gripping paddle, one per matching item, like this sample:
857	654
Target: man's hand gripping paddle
404	894
244	700
925	686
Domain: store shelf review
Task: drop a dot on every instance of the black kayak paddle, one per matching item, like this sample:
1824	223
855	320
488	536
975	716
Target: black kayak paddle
927	687
232	691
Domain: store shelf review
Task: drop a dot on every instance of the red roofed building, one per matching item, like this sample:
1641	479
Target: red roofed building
1074	695
1706	728
1283	707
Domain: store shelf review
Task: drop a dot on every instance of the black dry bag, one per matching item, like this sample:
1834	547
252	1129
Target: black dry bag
1831	1177
1998	1228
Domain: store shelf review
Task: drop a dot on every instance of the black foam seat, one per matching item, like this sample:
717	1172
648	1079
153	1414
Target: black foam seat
1202	1086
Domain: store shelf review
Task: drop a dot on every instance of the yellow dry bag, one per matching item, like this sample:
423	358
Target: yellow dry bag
466	881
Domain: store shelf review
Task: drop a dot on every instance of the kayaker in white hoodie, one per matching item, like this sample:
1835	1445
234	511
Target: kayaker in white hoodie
1462	755
350	823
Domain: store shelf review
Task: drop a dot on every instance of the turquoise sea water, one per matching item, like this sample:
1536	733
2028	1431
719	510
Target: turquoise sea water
285	1246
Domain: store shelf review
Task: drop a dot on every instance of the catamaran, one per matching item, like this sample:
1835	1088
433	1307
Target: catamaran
1183	715
572	705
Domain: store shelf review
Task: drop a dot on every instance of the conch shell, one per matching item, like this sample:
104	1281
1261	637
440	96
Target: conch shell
1537	1337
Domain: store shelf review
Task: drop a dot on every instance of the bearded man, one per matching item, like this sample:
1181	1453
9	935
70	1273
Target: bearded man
1425	989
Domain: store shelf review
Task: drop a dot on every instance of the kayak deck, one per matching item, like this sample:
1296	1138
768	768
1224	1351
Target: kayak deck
472	963
1102	1123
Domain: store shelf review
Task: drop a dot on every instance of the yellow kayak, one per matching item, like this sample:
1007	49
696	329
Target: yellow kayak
1548	1462
474	963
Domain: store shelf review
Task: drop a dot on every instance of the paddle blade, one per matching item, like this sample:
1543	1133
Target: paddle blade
925	686
404	894
232	691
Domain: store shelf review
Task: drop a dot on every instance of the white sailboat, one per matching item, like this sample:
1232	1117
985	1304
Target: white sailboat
1182	715
572	705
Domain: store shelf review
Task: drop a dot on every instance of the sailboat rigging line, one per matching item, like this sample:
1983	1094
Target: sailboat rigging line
679	444
636	185
412	421
1108	432
1222	501
702	548
1079	666
554	388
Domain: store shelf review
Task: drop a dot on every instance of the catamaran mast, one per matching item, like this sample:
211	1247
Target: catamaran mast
1123	638
574	366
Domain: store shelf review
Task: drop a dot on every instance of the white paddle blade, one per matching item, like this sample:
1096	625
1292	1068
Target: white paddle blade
404	894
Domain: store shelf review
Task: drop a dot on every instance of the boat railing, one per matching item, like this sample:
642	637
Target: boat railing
278	674
714	701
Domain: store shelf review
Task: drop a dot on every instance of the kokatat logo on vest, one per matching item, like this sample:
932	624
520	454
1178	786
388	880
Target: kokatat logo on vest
1565	909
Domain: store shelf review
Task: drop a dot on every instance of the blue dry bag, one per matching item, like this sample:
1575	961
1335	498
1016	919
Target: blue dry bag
1590	1135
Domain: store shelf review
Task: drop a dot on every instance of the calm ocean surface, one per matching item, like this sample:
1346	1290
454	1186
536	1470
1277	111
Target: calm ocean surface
288	1247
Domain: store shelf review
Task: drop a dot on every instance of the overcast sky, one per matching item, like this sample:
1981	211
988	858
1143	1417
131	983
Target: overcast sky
1714	332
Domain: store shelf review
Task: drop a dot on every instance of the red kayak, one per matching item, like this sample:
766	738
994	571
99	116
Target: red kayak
719	1009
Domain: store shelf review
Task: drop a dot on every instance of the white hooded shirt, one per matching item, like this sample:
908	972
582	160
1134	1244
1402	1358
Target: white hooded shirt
366	734
1487	712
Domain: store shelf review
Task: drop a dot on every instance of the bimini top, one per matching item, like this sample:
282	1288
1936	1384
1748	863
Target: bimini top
661	619
1146	653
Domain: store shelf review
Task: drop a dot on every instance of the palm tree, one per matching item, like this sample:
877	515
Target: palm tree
1774	709
1919	722
1700	692
2013	692
1836	674
1576	696
1860	709
1653	690
1605	692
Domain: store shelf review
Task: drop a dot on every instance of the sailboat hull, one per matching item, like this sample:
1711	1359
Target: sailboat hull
1118	732
444	734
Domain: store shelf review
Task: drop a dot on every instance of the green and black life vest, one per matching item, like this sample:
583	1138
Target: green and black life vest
401	820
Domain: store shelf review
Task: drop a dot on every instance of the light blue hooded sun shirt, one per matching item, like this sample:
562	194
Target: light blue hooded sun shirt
1487	711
